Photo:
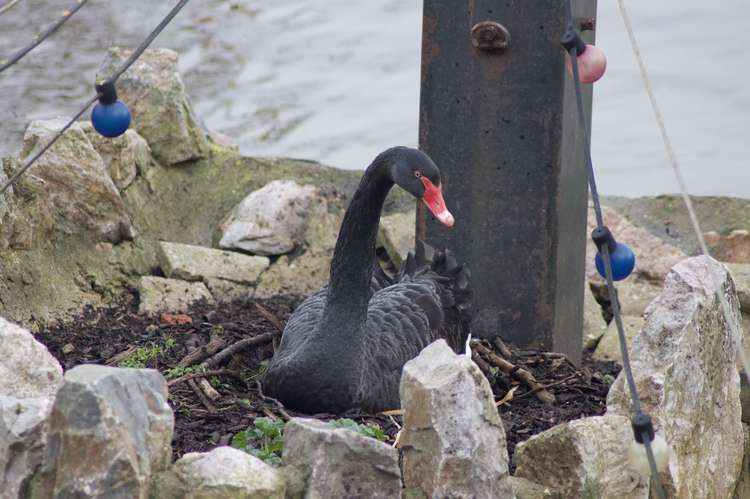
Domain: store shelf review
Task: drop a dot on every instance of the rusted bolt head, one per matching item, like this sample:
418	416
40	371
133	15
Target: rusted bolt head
490	36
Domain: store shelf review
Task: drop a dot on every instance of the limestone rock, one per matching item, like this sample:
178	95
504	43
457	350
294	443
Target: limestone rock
583	458
396	235
609	345
110	429
341	463
29	380
743	484
526	489
653	257
124	156
196	263
594	325
158	295
72	175
273	219
741	274
223	473
635	294
453	440
733	247
160	108
684	367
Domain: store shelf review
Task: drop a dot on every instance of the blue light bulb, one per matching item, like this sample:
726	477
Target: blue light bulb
111	120
622	260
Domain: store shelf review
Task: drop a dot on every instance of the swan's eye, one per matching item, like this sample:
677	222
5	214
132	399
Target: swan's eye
418	174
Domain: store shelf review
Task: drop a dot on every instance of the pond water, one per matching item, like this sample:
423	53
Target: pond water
338	81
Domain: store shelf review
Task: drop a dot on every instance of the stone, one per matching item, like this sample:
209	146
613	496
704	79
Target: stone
124	157
733	247
158	295
594	324
198	263
608	348
29	380
224	291
742	491
635	294
684	367
396	235
160	108
110	429
526	489
273	219
340	463
73	177
583	458
452	440
223	473
741	274
653	256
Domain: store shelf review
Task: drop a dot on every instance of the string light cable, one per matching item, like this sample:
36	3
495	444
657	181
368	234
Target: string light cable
105	92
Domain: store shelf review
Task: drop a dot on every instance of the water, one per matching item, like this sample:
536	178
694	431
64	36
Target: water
338	81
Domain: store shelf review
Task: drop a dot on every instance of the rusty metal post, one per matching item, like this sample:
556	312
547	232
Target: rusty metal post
498	116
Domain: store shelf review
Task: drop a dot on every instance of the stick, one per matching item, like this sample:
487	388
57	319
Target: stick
285	415
270	317
519	373
503	348
199	393
218	372
215	343
549	385
236	347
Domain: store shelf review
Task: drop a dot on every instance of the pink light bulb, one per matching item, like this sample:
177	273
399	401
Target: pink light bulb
591	64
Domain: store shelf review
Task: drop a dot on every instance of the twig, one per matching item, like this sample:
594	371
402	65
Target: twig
201	396
513	370
285	415
218	372
215	343
504	350
549	385
116	359
270	317
236	347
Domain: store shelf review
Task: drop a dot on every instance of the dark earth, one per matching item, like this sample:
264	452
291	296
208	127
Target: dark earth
119	336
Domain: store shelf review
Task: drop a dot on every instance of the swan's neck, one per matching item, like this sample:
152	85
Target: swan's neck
354	255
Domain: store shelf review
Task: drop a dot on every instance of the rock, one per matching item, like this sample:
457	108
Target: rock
273	219
196	263
72	175
733	247
526	489
340	462
124	156
452	441
223	473
594	325
110	429
741	274
653	257
684	367
160	108
228	291
29	380
583	458
609	346
635	294
158	295
743	484
396	235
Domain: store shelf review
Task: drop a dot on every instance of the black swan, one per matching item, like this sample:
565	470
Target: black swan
344	346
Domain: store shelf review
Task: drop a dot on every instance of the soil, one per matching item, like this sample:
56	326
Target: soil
119	336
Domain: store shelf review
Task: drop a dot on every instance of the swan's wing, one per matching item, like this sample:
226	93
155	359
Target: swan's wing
302	322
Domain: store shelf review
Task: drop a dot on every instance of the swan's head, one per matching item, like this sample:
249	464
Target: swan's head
416	173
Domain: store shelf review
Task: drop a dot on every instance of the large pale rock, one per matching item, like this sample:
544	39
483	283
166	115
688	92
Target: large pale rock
340	463
684	367
198	263
653	256
635	294
158	295
396	235
609	345
741	274
72	175
453	440
594	325
29	380
124	156
223	473
273	219
110	429
526	489
160	108
743	484
583	458
733	247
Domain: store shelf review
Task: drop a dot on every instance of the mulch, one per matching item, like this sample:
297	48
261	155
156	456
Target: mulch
118	335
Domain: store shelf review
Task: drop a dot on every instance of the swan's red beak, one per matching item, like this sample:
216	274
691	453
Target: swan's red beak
433	198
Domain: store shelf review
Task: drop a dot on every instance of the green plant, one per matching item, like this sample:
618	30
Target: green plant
177	372
264	440
368	430
141	356
169	342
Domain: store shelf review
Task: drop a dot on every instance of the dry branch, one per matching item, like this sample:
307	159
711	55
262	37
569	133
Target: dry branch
515	371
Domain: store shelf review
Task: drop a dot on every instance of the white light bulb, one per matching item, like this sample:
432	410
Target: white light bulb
638	460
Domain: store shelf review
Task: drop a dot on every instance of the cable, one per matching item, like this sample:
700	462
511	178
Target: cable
8	6
41	36
112	79
736	337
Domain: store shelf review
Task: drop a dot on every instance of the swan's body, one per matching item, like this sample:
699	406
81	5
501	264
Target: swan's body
344	346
